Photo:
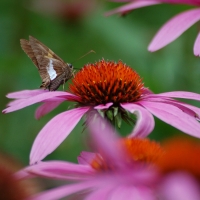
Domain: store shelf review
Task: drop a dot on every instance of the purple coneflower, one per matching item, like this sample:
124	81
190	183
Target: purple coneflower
128	168
171	29
115	90
120	170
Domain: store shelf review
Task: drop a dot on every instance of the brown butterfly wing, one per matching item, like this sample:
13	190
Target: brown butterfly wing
40	49
25	44
42	56
63	72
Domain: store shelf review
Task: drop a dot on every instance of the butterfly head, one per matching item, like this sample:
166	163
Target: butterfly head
71	68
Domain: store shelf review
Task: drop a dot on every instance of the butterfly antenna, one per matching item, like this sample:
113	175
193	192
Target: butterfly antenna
91	51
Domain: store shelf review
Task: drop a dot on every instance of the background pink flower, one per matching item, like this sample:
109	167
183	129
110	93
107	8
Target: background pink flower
168	172
172	29
111	177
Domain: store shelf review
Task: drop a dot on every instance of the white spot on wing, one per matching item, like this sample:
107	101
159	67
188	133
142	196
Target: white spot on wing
51	71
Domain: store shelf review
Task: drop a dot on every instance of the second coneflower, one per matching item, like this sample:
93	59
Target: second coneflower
118	169
114	89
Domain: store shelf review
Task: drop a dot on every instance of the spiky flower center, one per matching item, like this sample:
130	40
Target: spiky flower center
135	150
106	81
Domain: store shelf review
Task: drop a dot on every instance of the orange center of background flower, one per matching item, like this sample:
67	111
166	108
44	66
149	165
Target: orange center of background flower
106	81
143	150
182	154
135	150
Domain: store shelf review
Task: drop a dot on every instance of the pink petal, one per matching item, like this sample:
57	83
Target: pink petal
100	194
131	192
181	94
180	186
120	0
19	101
197	46
146	91
38	98
15	102
55	131
63	191
46	107
25	94
101	107
193	108
86	158
173	116
174	28
23	174
145	121
190	2
60	170
131	6
186	108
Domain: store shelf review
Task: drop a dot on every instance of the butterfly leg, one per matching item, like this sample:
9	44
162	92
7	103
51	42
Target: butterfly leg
64	80
63	86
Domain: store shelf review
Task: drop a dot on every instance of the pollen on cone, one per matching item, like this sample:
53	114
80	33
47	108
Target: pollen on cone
106	81
143	150
135	150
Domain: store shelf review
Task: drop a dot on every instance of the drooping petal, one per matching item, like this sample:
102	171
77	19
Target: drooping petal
181	94
190	2
179	186
131	6
14	103
24	94
174	28
167	98
193	108
46	107
145	121
63	191
173	116
54	132
196	48
58	170
38	98
186	108
86	158
100	107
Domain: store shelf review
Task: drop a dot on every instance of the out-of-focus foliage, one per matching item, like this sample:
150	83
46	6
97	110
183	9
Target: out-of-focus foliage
71	31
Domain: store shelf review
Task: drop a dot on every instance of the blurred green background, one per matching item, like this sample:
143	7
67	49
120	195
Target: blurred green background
70	29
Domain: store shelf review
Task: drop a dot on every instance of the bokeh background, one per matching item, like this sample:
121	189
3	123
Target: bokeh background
70	29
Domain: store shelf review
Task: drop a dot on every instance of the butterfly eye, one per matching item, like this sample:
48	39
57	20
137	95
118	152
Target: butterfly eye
70	65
